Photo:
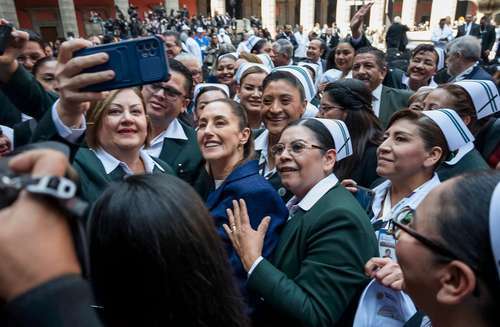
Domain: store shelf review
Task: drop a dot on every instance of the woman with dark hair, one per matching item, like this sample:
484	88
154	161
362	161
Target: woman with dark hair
449	254
350	101
156	259
226	144
457	98
262	46
342	58
476	102
205	93
224	70
283	102
316	273
44	71
249	78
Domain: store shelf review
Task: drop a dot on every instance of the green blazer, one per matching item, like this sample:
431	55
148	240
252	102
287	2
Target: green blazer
184	156
392	100
93	177
23	93
472	161
317	271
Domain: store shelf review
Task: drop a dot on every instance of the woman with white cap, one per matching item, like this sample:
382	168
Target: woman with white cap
224	70
249	78
450	252
205	93
316	272
457	98
283	102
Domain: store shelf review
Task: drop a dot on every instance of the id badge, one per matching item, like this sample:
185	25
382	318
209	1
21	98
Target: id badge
386	244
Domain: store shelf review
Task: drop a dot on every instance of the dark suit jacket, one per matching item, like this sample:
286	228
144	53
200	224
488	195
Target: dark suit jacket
479	73
474	30
396	36
261	200
316	272
488	37
184	156
392	100
61	302
23	93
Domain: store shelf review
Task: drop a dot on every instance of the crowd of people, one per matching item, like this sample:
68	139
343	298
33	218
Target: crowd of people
300	180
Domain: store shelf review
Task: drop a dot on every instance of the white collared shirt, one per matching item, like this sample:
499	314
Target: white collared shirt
406	81
462	151
377	94
174	131
316	192
412	200
307	202
461	76
67	133
110	163
261	144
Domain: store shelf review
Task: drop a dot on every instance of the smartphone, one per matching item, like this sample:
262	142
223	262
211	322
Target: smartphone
5	37
135	62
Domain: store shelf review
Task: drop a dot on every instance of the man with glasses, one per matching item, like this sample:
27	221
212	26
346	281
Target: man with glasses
173	141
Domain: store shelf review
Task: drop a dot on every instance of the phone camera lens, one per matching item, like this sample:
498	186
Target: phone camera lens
147	46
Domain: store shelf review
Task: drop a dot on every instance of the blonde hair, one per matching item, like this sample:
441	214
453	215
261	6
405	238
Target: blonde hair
96	113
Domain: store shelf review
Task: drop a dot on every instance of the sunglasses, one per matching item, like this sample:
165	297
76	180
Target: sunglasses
294	148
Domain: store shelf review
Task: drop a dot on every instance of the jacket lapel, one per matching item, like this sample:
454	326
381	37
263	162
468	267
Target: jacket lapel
171	149
289	235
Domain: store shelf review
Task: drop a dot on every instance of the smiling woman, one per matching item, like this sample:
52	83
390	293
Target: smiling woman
227	147
118	129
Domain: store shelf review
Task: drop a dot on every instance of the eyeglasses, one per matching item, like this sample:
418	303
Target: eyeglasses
170	93
323	108
294	148
395	229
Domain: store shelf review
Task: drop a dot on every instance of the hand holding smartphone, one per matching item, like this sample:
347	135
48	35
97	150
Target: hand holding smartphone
135	62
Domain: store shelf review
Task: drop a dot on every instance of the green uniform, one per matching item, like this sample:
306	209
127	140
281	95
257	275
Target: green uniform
317	271
472	161
23	92
391	101
93	177
184	156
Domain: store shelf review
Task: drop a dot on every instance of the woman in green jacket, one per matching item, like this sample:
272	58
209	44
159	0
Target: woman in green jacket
316	273
118	128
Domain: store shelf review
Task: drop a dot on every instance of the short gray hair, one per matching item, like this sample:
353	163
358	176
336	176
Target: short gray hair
183	56
283	46
469	47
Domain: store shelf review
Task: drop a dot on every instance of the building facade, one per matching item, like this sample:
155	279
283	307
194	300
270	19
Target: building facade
57	18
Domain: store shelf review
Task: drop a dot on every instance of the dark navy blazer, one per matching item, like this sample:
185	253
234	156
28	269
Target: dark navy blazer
261	200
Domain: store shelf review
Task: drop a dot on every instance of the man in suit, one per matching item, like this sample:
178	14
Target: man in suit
315	51
288	35
370	67
282	53
462	59
396	35
173	141
469	28
331	39
488	37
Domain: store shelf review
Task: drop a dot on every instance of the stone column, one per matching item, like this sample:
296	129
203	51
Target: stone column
8	11
219	6
170	4
123	5
441	9
324	14
377	15
68	17
268	9
408	12
307	14
342	16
